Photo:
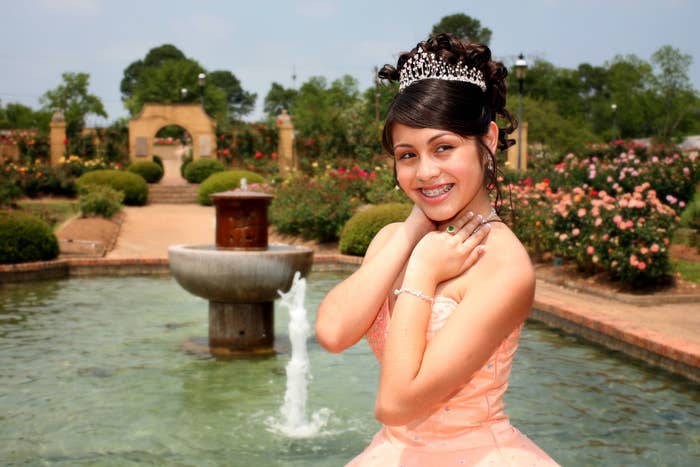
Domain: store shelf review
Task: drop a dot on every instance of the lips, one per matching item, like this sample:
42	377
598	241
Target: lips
434	192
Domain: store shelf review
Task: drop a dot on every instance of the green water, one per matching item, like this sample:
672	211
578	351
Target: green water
91	374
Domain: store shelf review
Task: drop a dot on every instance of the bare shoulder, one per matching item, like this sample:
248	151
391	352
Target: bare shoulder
504	271
381	238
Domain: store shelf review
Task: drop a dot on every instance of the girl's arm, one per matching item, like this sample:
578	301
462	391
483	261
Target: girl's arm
350	307
417	374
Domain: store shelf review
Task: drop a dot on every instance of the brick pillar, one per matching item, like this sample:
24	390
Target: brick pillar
57	137
285	145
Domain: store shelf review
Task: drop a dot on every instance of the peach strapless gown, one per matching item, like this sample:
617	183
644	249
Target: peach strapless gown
469	428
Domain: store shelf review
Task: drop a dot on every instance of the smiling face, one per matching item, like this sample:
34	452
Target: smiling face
440	171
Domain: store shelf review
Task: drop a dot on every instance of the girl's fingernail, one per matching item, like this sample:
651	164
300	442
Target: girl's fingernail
470	215
487	227
481	250
479	218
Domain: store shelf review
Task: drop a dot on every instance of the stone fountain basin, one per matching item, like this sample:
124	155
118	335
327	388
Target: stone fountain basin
234	276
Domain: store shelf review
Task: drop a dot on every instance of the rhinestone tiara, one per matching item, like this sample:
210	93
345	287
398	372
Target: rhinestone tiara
427	65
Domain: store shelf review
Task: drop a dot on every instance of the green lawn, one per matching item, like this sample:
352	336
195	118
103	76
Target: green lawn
689	270
53	212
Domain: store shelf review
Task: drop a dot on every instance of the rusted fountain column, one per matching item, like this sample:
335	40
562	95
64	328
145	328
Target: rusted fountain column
241	224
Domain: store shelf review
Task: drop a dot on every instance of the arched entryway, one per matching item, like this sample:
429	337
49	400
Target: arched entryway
144	127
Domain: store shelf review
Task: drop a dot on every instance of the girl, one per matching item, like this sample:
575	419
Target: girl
441	296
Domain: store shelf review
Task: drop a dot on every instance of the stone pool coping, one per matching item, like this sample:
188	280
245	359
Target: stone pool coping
597	317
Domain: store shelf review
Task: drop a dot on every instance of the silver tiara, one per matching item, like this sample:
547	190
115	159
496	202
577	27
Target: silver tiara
425	65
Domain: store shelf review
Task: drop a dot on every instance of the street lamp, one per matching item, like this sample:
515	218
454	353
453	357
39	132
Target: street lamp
200	79
613	107
520	67
183	93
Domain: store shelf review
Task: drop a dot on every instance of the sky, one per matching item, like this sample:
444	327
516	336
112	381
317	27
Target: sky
268	41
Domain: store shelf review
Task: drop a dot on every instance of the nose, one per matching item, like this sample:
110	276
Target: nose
427	169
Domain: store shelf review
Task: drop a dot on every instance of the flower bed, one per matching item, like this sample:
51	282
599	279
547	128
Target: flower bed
612	214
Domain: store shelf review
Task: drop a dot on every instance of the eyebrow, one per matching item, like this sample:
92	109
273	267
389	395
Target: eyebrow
432	138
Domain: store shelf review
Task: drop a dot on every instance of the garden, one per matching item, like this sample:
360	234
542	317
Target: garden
612	211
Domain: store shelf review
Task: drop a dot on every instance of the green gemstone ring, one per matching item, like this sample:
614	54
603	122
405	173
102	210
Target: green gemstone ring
450	229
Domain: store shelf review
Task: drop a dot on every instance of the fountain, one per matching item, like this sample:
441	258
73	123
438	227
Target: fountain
240	276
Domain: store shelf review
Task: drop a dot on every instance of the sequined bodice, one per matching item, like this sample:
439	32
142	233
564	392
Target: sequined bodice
478	402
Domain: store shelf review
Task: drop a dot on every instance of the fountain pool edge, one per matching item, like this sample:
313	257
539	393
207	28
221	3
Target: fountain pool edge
674	354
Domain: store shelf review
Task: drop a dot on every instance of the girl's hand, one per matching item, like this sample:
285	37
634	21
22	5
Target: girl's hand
440	256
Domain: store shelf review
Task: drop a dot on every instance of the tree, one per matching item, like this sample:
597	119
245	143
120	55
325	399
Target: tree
238	101
165	71
154	58
464	27
556	134
628	82
73	98
319	115
18	116
278	98
674	96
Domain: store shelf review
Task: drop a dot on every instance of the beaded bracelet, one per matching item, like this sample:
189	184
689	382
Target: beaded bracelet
415	293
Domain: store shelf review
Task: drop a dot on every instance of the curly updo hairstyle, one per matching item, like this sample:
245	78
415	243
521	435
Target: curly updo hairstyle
460	107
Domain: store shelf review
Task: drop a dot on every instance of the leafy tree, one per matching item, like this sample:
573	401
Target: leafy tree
165	71
464	27
278	98
674	97
73	98
382	94
333	120
18	116
238	101
154	58
554	134
629	79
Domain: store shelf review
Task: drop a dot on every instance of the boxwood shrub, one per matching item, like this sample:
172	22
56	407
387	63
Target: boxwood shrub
152	172
132	185
199	170
363	226
223	181
24	238
186	160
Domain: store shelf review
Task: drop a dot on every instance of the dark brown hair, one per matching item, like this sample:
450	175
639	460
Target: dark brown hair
459	107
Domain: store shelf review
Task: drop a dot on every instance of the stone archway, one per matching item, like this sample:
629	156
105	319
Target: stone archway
153	117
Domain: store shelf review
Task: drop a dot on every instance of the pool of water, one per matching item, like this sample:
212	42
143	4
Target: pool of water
91	373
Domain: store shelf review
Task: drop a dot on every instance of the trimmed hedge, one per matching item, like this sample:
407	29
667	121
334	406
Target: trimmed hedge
199	170
24	238
132	185
152	172
363	226
223	181
186	160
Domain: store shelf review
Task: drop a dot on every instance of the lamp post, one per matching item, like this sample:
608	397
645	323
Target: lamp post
520	67
201	80
613	107
183	93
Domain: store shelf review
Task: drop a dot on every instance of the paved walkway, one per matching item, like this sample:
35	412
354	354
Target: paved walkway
665	335
147	231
